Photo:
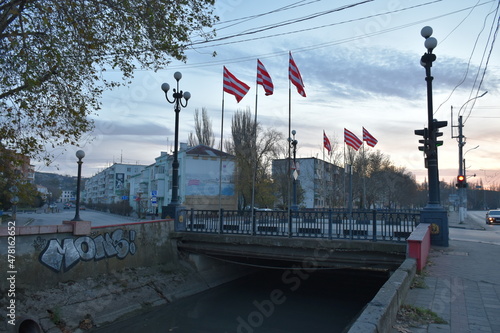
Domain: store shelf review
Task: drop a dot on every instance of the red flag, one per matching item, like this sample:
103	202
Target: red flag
264	79
234	86
370	139
326	143
295	78
352	140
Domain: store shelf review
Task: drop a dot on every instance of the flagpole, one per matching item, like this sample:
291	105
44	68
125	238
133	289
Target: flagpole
364	176
255	149
220	160
324	190
289	154
345	171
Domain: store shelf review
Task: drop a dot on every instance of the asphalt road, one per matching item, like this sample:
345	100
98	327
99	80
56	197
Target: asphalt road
490	234
97	218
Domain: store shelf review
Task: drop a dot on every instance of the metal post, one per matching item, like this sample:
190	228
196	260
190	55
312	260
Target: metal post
433	213
461	143
80	154
173	209
293	144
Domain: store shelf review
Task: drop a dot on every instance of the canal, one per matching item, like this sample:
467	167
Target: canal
264	302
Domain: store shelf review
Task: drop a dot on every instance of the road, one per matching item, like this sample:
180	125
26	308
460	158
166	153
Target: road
56	218
490	234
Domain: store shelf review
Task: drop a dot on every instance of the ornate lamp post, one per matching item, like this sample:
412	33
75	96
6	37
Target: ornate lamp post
433	213
80	155
179	100
293	145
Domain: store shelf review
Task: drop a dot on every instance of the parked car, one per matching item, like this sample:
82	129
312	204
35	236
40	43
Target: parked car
493	216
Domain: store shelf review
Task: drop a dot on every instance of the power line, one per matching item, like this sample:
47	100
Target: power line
487	59
324	26
316	46
284	23
251	17
470	57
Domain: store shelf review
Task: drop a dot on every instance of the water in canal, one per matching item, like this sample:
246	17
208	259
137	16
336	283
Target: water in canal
267	301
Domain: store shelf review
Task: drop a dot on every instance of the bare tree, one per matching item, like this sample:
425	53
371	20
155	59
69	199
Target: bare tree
254	149
203	130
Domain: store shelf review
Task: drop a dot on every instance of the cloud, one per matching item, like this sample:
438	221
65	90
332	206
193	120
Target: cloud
140	128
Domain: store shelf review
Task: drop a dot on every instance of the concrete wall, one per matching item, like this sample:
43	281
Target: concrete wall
47	255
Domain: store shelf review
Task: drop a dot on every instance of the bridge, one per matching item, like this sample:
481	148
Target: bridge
363	239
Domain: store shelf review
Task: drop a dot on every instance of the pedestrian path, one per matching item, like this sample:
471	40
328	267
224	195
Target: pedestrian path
462	286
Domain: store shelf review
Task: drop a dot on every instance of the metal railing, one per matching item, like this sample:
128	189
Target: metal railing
372	225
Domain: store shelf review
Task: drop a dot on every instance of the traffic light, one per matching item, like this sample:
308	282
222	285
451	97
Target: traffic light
436	125
439	142
461	181
424	133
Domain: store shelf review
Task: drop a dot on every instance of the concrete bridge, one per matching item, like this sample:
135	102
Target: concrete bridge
294	253
334	239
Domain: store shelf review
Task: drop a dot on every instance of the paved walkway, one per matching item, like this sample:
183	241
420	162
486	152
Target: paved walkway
462	286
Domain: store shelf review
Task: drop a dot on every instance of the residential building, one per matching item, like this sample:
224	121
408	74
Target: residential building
320	182
67	196
19	163
111	184
206	180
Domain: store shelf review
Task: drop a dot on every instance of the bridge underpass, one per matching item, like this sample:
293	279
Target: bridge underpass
306	253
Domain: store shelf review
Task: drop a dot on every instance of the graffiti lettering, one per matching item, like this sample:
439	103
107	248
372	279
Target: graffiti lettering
64	256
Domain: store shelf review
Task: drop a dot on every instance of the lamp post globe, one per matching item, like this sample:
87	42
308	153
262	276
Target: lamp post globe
426	32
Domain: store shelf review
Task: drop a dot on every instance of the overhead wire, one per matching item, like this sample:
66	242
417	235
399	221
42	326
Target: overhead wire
470	57
251	17
316	46
321	26
284	23
495	33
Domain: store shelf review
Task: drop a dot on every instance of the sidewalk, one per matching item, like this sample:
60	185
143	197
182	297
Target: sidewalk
462	286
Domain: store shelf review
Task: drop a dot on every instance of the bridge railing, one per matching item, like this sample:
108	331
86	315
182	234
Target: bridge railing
370	225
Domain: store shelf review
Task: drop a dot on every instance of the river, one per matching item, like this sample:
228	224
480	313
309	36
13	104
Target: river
267	301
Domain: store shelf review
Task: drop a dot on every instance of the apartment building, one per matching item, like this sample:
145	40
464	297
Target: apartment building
111	184
320	182
206	180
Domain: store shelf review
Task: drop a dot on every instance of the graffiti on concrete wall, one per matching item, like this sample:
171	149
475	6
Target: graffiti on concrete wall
62	256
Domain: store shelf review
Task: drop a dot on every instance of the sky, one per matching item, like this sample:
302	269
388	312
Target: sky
360	64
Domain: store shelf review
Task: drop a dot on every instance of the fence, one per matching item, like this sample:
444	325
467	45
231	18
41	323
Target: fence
370	225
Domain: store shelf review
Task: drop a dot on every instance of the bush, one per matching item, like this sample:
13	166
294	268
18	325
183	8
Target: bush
120	208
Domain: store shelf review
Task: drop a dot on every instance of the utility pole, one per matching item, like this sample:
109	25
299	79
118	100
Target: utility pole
461	187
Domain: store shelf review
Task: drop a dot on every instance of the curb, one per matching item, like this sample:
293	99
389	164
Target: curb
379	314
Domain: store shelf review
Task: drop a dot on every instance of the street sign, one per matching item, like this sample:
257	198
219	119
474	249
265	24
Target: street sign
154	193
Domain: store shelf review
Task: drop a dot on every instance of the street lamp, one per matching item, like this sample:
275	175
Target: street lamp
80	155
178	96
433	213
293	144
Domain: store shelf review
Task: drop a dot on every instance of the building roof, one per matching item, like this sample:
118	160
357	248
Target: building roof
202	150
